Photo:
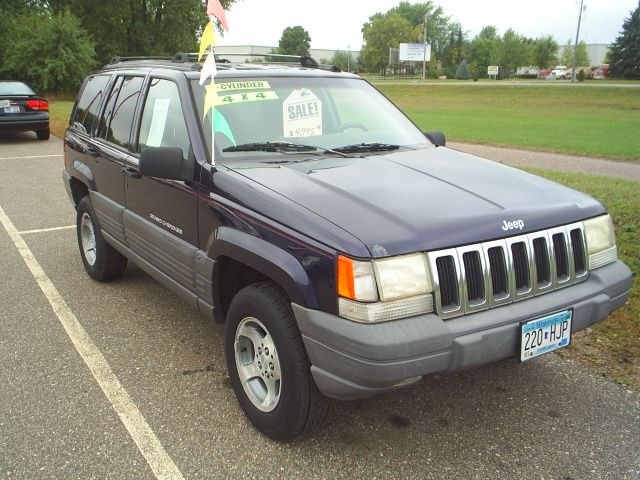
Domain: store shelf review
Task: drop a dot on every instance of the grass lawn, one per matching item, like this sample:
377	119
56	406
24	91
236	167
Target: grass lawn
612	347
59	113
602	121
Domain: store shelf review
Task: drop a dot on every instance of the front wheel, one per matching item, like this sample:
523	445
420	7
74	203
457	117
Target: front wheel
268	365
101	261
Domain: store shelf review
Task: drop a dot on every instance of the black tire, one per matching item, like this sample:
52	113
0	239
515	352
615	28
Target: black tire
43	134
106	263
301	408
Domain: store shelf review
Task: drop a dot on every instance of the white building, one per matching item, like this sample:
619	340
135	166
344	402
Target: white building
595	51
322	55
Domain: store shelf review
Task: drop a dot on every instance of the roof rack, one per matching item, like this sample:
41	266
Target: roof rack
304	60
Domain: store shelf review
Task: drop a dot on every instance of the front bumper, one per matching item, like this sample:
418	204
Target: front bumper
350	360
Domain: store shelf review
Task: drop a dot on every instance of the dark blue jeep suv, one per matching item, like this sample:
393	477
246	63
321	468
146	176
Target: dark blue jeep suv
346	252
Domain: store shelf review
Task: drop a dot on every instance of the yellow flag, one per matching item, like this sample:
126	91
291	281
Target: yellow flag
211	98
208	39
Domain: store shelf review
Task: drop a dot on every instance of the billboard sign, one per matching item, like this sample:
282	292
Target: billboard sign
492	70
415	52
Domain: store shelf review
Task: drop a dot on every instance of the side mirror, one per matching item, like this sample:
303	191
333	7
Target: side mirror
437	138
166	162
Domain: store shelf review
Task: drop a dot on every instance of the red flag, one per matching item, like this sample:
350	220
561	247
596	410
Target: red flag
215	8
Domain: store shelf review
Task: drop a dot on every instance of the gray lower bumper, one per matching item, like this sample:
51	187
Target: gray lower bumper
351	360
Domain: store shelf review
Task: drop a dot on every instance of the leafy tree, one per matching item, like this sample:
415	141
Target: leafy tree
384	32
484	50
545	51
341	60
463	72
582	57
294	41
55	56
514	52
625	51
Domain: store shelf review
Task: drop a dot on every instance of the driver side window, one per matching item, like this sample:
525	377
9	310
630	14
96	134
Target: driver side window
163	123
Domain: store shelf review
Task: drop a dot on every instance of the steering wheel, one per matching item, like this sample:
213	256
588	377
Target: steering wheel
344	126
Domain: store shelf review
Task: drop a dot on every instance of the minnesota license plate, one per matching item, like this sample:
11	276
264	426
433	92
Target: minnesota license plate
545	334
4	103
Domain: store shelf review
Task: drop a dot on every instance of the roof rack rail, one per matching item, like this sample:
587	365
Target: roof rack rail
305	60
118	59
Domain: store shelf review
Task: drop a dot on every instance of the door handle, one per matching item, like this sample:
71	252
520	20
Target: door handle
131	172
94	152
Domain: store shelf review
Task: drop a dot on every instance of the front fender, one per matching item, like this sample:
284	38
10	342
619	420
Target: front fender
267	259
81	171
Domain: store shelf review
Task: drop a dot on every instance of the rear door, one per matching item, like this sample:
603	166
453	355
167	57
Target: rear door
161	216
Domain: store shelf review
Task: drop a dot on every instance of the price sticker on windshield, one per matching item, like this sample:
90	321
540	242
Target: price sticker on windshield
302	114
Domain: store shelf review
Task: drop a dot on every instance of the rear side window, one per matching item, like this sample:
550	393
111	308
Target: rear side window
89	102
163	123
115	124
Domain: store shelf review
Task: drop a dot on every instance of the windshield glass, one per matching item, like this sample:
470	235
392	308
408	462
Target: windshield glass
15	88
328	113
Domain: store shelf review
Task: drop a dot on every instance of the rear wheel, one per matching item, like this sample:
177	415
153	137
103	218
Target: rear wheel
43	134
101	261
268	365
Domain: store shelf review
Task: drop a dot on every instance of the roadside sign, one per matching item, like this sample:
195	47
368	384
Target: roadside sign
492	70
415	52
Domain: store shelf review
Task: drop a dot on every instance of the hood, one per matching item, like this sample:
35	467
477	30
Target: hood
421	200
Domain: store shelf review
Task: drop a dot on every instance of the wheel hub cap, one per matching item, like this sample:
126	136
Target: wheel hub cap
88	239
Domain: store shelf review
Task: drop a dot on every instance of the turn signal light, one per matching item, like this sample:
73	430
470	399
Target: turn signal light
40	105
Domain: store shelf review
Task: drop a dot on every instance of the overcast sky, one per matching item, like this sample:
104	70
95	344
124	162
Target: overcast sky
337	24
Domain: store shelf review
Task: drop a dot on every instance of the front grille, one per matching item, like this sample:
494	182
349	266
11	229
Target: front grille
481	276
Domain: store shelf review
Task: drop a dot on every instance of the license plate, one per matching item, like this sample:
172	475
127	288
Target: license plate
12	109
4	103
545	334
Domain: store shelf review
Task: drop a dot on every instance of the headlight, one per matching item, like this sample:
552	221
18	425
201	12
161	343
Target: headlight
403	284
404	276
601	241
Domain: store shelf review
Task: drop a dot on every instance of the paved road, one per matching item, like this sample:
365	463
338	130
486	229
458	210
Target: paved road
552	161
549	419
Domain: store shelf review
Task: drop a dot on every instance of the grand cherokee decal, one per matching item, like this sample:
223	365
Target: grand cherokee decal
166	224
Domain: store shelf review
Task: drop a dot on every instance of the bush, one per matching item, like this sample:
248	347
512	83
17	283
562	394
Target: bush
581	75
56	55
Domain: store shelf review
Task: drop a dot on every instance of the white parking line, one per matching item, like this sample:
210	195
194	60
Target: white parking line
30	156
149	445
42	230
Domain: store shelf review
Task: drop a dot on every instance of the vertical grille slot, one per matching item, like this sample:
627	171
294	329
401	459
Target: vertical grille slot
448	277
521	267
499	273
562	257
543	267
474	277
579	254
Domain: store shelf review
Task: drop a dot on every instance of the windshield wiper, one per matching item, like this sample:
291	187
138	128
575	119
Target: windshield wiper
279	146
366	147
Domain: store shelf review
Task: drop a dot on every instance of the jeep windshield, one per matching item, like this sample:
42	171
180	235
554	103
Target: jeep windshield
259	117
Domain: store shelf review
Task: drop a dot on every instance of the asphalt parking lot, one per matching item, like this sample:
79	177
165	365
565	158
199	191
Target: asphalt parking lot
123	380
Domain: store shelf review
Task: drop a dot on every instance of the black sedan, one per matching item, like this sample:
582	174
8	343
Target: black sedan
22	109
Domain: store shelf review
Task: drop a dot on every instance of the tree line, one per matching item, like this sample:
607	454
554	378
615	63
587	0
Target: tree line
52	44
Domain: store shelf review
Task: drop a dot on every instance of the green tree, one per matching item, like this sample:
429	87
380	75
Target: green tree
625	51
384	32
582	57
294	41
484	50
341	60
463	72
545	51
55	56
514	52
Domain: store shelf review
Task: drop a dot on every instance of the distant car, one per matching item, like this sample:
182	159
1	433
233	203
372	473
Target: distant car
22	109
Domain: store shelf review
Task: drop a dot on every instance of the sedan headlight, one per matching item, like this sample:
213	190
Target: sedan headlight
385	289
601	241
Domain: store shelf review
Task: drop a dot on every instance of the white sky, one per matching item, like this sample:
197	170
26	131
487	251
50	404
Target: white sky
337	24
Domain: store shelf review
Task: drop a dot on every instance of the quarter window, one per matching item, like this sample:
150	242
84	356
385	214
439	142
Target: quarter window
123	110
163	122
89	102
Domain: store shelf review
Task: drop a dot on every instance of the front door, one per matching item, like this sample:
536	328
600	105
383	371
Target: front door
161	216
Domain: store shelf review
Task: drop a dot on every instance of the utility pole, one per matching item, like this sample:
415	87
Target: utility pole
575	45
424	58
348	58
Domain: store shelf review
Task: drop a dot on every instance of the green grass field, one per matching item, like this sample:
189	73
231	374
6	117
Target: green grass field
592	121
59	113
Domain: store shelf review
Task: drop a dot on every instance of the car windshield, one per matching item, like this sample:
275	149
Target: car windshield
15	88
257	117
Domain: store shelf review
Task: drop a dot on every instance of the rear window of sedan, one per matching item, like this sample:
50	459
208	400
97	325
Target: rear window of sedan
15	88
